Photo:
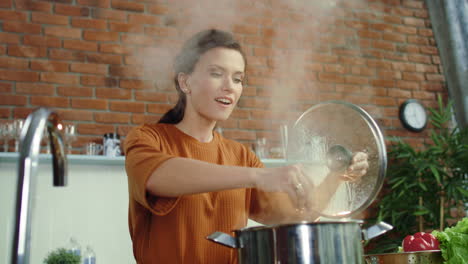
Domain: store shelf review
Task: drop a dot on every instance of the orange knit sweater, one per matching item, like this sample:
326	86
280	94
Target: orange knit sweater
173	230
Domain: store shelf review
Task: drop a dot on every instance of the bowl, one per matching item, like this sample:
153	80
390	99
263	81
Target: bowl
420	257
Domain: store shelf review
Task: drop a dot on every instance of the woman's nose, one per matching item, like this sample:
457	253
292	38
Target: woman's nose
228	84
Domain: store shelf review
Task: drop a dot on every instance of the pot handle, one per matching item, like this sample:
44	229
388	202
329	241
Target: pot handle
223	239
376	230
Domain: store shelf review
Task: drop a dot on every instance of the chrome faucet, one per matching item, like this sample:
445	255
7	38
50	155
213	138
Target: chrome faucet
30	144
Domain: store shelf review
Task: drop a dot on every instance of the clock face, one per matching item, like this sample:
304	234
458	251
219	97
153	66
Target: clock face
413	115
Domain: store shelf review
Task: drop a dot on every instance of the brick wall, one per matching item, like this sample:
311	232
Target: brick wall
105	65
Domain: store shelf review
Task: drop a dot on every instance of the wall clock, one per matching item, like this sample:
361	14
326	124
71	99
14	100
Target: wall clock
413	115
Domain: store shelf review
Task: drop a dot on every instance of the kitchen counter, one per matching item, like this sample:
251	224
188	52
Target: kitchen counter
93	207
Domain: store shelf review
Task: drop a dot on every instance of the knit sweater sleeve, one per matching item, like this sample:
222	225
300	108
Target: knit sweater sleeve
143	155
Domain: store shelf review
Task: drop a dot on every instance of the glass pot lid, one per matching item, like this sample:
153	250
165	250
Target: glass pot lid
324	139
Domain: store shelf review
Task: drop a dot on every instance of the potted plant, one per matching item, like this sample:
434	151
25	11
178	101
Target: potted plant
425	186
62	256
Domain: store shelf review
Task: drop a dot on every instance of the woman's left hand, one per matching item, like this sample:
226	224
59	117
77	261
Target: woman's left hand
358	167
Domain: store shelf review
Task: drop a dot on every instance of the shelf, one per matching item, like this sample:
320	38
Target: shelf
10	157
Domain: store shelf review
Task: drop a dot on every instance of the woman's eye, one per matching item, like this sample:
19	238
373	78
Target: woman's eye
238	80
216	74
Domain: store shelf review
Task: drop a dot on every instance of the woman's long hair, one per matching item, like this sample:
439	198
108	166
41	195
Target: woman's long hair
187	59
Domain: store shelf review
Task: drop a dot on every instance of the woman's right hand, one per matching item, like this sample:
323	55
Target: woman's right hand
289	179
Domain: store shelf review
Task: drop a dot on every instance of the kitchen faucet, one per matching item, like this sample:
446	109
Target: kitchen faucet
29	149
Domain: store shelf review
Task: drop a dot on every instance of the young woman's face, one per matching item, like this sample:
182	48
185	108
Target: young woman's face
214	87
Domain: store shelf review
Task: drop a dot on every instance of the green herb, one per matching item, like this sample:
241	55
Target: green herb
62	256
454	243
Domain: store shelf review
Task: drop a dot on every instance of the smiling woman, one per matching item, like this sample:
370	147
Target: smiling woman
187	181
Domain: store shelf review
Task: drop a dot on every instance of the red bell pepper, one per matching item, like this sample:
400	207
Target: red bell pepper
419	242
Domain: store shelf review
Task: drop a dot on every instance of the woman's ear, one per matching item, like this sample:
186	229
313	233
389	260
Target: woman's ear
182	78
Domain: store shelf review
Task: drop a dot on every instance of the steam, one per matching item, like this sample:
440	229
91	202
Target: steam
290	45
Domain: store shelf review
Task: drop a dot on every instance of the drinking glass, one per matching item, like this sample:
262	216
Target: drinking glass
260	148
18	126
8	133
70	136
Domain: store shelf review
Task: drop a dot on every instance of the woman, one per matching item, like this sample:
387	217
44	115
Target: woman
186	181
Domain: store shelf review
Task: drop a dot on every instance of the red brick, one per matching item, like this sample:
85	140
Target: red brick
352	60
389	75
434	87
80	45
384	45
63	32
144	19
33	5
421	14
6	87
89	23
13	63
125	27
419	58
253	124
128	72
245	29
135	84
357	24
133	107
395	37
356	80
19	27
89	103
398	93
68	10
391	19
104	58
110	14
395	56
418	40
151	96
36	40
49	65
417	22
9	99
240	134
112	118
427	68
35	88
137	39
60	78
49	101
27	51
22	112
408	48
379	64
75	91
20	76
331	77
413	4
253	102
324	58
337	68
92	80
91	68
158	9
161	31
113	93
9	38
408	85
75	115
383	83
435	77
6	4
424	95
407	76
429	50
129	6
436	59
369	34
68	55
115	48
425	32
403	66
94	129
384	101
158	108
101	36
9	15
406	30
5	113
44	18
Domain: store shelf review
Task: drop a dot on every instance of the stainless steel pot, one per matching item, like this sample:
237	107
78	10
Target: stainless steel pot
304	243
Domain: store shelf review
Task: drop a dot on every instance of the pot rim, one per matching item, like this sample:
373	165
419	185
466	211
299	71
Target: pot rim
333	222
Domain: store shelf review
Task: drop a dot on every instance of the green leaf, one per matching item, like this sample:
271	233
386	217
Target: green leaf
463	191
435	172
